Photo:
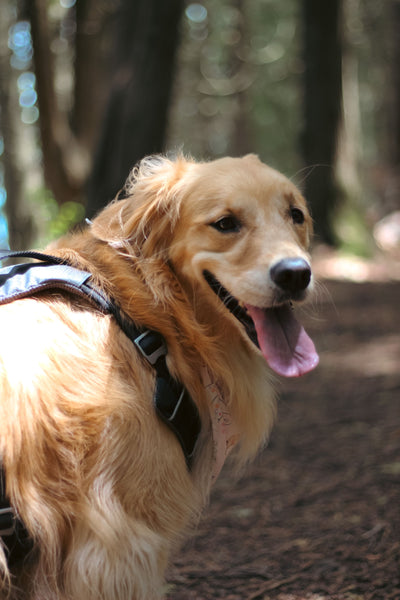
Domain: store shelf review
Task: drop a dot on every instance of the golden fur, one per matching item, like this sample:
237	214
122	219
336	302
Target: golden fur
100	483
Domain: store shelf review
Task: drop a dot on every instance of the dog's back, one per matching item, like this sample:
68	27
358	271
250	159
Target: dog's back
77	429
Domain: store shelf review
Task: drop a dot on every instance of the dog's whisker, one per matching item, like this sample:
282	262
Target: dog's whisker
308	170
322	291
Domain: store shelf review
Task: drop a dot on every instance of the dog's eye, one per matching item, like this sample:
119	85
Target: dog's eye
297	215
227	225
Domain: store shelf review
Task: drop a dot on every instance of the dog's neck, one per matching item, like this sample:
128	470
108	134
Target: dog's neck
198	330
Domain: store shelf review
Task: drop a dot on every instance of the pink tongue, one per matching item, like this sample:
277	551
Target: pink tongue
283	341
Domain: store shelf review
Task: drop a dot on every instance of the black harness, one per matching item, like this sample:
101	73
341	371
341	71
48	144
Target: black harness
172	401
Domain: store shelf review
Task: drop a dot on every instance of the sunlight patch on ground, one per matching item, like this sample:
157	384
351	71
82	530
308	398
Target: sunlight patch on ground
378	357
330	264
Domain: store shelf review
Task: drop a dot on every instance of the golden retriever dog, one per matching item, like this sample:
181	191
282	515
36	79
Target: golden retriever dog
212	256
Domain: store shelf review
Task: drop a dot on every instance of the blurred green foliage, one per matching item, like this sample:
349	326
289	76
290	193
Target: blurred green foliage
239	88
353	235
54	220
239	66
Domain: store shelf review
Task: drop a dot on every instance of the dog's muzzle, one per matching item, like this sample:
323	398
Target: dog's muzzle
285	345
232	304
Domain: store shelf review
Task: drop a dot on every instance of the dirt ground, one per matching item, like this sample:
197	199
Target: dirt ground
317	516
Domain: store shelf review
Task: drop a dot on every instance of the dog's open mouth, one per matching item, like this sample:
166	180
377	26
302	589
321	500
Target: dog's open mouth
275	331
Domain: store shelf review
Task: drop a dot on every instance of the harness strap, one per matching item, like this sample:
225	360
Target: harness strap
172	402
32	254
15	536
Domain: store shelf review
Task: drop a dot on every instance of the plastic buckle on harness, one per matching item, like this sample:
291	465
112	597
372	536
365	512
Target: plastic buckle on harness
151	345
7	521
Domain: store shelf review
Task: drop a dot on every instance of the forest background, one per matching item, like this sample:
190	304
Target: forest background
88	87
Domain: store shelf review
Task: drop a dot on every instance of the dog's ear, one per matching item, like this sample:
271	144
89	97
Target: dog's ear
252	157
144	220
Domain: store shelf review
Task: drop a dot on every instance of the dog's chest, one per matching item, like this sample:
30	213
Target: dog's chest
224	430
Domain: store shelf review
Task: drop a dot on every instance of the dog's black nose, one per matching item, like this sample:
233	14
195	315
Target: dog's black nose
291	274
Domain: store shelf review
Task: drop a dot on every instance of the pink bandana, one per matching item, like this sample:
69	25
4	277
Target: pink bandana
225	432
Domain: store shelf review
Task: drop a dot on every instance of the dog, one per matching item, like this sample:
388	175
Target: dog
210	255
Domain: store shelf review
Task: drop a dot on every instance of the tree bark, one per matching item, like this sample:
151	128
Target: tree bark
394	156
322	109
242	139
91	69
64	165
135	123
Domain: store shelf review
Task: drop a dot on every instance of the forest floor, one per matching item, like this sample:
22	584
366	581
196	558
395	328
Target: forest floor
316	517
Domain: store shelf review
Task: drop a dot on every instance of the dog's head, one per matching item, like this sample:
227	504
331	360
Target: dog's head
234	231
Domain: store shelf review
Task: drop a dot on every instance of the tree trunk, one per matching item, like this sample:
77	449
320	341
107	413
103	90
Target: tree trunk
322	105
242	139
136	116
91	69
64	165
394	157
349	147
